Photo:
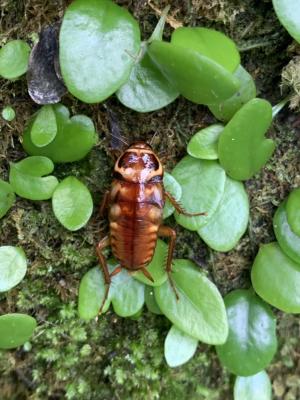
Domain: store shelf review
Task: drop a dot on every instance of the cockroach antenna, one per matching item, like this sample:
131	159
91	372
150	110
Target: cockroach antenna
116	136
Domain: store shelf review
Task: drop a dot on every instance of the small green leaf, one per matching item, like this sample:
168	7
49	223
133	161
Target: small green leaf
7	197
204	144
146	89
243	149
194	75
8	113
14	58
252	342
287	239
15	330
179	347
171	186
72	203
74	139
253	387
288	13
27	178
13	266
125	293
200	310
151	302
99	41
44	127
276	278
225	110
293	211
202	184
229	222
157	267
210	43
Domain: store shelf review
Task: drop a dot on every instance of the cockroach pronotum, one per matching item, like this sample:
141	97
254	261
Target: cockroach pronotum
135	203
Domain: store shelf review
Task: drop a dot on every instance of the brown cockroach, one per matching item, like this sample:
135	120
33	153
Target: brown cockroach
135	203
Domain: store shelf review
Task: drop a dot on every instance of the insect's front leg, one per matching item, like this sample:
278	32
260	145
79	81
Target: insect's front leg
179	208
166	231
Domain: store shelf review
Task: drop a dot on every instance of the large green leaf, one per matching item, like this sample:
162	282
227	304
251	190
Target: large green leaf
13	266
287	239
252	342
173	187
288	13
204	144
72	203
179	347
243	148
194	75
202	184
157	267
293	211
225	110
276	278
253	387
229	222
44	127
74	139
98	44
27	178
126	294
146	89
200	310
14	58
210	43
15	330
7	197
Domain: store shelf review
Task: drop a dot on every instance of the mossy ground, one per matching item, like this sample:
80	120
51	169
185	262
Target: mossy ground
115	358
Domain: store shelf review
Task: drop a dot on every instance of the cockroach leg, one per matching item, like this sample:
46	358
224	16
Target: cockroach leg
147	274
179	208
104	203
166	231
105	242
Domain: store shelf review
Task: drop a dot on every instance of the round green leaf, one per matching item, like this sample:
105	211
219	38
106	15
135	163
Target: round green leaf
204	144
243	149
288	13
74	139
287	239
8	113
200	310
251	342
229	222
98	44
13	266
276	278
125	293
210	43
27	178
171	186
151	302
15	330
157	267
14	58
44	127
146	89
72	203
179	347
293	211
225	110
253	387
202	184
7	197
194	75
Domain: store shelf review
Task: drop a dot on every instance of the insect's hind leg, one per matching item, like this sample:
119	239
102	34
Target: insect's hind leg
105	242
166	231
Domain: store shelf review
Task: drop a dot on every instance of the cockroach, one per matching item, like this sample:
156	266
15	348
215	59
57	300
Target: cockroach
135	201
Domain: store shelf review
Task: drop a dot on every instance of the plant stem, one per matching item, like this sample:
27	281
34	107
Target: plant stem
279	106
159	29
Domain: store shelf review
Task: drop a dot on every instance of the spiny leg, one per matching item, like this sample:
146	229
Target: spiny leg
166	231
179	208
105	242
104	204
